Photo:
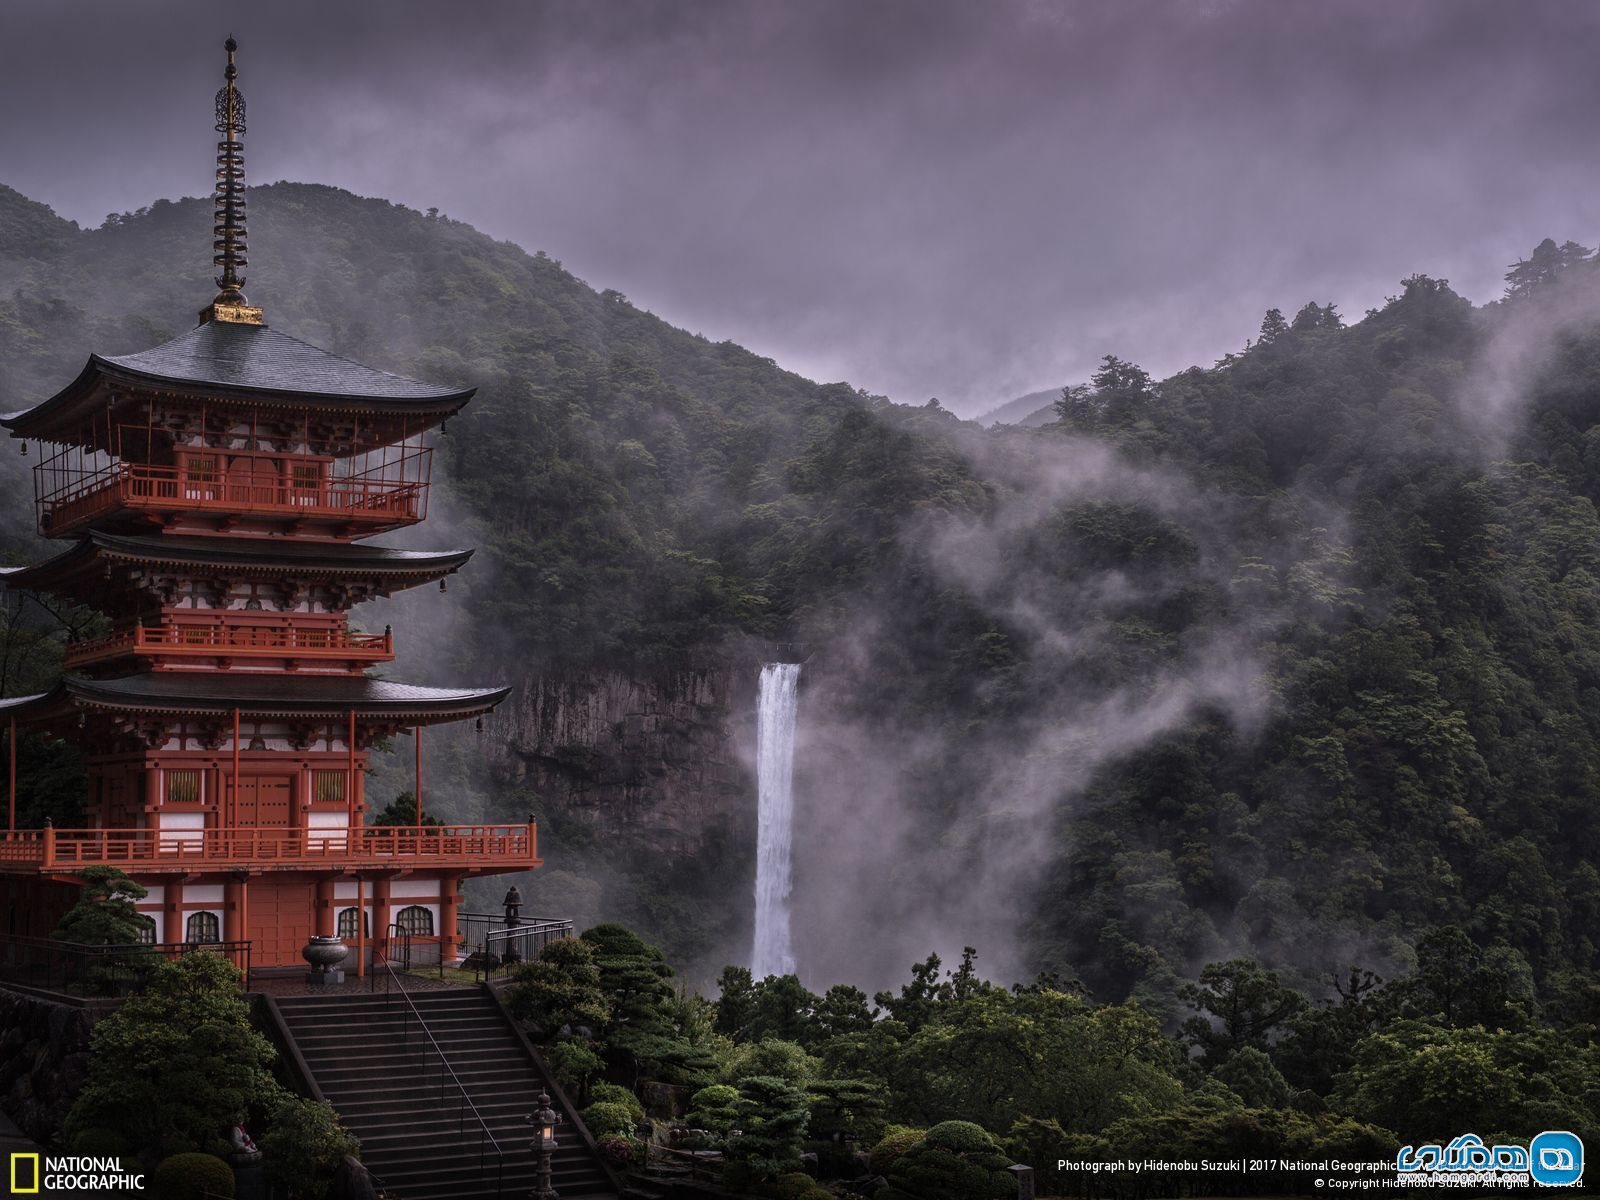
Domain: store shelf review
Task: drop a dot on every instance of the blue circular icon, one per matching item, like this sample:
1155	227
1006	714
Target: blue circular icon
1555	1158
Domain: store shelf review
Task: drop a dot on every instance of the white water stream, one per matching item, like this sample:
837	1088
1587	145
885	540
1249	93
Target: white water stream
775	716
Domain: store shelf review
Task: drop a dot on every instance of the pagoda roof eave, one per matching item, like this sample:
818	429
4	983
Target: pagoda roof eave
248	363
246	555
208	694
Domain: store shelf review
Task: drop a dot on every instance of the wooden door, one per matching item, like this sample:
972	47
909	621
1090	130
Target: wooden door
281	919
254	481
265	801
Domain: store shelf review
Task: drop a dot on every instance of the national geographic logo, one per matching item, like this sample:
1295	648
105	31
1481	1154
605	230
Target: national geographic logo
32	1173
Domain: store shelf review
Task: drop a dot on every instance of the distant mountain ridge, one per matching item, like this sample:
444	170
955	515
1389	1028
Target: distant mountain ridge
1030	411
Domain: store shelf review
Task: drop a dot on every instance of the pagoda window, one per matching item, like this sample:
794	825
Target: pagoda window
305	482
327	787
415	920
202	476
183	786
202	928
347	924
147	929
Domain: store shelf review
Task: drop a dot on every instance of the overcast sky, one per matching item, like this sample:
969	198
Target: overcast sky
965	200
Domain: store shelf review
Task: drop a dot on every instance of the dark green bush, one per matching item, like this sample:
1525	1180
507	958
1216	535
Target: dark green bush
956	1161
611	1093
101	1143
896	1140
305	1146
609	1117
714	1108
796	1185
189	1176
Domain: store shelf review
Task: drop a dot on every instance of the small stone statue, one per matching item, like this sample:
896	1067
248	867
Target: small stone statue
244	1148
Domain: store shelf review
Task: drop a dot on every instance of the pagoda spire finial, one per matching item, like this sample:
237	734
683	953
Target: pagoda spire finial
229	230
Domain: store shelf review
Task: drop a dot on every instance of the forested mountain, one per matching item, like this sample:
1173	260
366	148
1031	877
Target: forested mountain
1294	656
1036	408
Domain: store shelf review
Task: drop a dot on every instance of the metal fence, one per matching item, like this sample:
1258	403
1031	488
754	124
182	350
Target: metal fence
492	945
81	970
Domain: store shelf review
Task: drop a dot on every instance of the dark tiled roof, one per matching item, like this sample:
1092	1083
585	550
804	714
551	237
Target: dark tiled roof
223	358
259	359
270	552
79	571
304	694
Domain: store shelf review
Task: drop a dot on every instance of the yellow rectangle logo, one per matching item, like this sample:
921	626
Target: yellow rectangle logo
16	1187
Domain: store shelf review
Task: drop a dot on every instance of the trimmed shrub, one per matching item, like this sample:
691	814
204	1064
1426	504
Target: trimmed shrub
796	1185
714	1108
607	1118
612	1093
573	1064
101	1143
304	1147
957	1160
189	1176
896	1140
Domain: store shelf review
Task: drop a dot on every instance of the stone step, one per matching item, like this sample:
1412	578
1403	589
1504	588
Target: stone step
388	1091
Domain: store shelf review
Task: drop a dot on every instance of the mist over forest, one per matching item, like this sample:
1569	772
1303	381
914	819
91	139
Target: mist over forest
1292	658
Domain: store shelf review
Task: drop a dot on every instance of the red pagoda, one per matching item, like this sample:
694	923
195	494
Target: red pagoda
215	491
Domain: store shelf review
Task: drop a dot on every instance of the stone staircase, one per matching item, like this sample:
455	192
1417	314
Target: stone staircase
413	1136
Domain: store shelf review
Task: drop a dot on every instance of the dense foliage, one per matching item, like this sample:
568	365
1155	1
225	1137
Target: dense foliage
175	1068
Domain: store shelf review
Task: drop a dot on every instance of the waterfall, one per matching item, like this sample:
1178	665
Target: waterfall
775	715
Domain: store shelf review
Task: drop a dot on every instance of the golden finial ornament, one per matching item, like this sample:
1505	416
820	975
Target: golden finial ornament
229	231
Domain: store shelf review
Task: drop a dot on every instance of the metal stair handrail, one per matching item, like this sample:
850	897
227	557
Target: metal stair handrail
488	1141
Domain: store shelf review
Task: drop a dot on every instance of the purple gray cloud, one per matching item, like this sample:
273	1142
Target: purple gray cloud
924	197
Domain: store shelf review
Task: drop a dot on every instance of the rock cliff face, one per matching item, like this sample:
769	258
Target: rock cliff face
661	757
44	1060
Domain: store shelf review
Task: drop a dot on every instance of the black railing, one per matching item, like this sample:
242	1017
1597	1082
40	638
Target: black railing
82	970
409	1015
493	945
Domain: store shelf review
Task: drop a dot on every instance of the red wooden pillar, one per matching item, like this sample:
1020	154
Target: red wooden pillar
325	907
448	899
233	911
233	809
380	915
11	787
172	913
417	737
361	927
350	772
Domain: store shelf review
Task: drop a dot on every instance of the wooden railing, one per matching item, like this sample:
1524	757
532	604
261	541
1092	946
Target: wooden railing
181	849
364	499
286	641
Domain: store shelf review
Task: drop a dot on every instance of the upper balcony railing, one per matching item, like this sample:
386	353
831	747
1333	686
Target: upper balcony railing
380	504
463	847
180	641
382	489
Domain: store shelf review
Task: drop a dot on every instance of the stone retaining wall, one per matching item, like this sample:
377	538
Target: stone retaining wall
44	1060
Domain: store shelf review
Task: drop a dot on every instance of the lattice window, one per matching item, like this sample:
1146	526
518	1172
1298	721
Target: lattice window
327	787
202	470
347	923
415	920
147	929
183	786
202	927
